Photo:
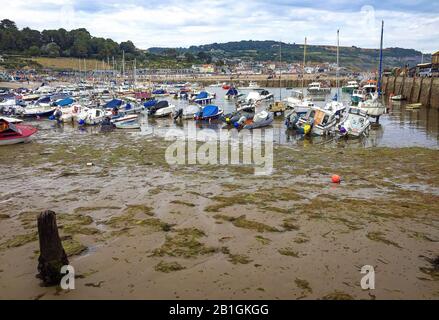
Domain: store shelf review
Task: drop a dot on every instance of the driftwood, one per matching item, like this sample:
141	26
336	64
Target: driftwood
52	254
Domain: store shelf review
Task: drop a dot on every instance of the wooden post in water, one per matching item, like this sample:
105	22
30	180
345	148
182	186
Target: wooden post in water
52	254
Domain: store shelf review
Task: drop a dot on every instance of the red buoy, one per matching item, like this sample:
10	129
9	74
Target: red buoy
336	179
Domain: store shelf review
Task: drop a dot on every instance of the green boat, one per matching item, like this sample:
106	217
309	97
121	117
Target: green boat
350	87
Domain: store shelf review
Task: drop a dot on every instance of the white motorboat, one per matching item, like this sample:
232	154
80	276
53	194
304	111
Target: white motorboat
373	107
321	122
92	116
165	112
318	88
355	124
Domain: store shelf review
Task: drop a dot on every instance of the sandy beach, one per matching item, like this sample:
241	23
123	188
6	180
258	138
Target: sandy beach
135	227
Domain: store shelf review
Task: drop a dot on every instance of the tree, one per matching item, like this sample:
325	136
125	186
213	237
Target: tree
34	51
128	47
52	50
7	24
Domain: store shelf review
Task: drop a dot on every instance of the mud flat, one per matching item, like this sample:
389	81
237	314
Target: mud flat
135	227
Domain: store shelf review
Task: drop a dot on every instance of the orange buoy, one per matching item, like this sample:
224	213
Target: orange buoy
336	179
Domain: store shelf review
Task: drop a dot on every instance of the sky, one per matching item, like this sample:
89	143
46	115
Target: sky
181	23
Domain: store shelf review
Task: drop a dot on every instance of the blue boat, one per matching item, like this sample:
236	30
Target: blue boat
150	103
115	103
209	112
203	98
64	102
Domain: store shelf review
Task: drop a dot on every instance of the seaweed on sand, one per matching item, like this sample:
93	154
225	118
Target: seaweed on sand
168	267
242	222
184	243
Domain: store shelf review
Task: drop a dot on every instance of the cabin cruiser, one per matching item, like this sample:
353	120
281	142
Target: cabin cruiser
318	121
318	88
373	107
355	124
92	116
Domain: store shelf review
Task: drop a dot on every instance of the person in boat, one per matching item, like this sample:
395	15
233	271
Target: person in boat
58	115
3	126
115	111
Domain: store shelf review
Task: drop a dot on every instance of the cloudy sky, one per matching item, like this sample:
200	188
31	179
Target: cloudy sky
150	23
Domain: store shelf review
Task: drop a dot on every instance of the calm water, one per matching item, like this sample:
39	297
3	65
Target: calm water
399	128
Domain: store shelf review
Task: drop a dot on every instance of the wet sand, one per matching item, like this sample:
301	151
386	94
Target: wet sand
138	228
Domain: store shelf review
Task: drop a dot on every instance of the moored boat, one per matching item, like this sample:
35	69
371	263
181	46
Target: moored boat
11	133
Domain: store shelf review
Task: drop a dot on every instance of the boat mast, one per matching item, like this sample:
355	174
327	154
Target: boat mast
280	71
338	62
380	71
303	70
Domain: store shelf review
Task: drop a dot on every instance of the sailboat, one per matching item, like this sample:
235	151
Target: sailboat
322	121
297	102
374	107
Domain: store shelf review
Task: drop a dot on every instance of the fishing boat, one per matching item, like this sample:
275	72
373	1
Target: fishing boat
209	112
11	133
261	119
355	124
350	87
318	88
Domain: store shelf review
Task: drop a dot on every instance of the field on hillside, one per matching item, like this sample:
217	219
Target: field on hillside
70	63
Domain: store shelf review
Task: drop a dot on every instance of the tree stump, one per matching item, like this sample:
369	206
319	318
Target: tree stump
52	254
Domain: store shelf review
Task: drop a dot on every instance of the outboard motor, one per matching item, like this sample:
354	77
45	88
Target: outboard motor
178	114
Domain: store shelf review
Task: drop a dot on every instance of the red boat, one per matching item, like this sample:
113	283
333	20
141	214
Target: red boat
14	133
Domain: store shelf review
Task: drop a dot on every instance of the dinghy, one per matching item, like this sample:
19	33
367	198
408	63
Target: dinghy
261	119
399	97
133	124
11	133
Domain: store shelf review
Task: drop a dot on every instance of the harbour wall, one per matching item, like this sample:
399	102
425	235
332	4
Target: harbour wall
415	90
